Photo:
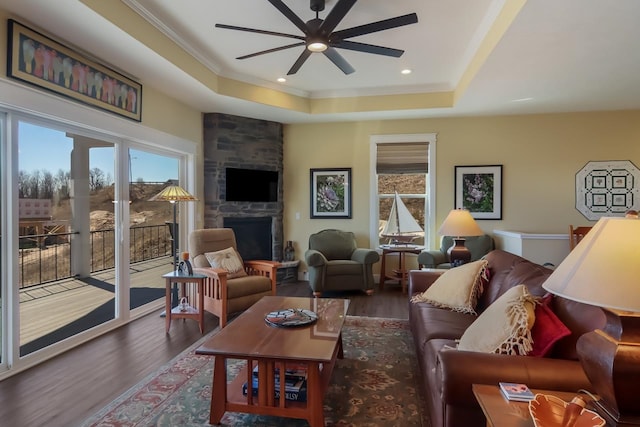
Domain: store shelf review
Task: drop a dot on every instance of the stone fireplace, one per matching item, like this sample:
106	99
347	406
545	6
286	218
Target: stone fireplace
241	142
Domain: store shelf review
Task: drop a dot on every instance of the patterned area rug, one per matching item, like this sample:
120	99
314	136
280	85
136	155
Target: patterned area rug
376	384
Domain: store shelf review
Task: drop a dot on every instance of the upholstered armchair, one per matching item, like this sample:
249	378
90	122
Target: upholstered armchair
232	285
479	246
336	264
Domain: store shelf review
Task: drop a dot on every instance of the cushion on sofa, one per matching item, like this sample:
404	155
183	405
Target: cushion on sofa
504	327
547	329
456	289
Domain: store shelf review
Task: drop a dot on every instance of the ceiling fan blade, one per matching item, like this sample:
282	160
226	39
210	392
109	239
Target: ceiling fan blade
337	59
301	59
373	27
253	30
275	49
368	48
278	4
336	15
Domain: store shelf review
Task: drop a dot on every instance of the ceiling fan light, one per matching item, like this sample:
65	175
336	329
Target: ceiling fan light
317	46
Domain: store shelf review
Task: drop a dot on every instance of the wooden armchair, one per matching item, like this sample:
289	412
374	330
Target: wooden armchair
228	292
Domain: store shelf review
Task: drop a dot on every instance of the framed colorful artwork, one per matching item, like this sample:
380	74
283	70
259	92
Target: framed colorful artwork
479	190
42	62
331	193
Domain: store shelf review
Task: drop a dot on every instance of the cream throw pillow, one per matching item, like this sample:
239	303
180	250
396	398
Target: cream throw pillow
456	289
504	327
228	259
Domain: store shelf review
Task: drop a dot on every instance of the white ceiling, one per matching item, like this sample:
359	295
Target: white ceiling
555	56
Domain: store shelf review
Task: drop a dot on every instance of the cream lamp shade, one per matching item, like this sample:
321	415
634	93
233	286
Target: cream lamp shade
459	224
604	267
604	270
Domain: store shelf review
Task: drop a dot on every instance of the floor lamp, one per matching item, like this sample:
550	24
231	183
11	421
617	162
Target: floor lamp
173	194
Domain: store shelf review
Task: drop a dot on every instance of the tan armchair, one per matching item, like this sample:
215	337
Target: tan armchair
224	293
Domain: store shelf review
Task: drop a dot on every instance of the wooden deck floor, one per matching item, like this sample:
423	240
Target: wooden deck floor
48	307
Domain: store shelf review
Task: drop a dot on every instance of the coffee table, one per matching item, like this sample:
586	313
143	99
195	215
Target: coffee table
249	338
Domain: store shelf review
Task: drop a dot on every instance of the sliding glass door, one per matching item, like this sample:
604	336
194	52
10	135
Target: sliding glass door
66	234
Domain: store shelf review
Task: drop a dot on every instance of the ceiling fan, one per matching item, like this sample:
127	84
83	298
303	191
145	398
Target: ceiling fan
319	34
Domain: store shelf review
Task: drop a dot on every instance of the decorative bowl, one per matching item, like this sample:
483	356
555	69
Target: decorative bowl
548	411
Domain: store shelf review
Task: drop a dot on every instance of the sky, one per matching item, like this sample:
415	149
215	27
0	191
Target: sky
48	149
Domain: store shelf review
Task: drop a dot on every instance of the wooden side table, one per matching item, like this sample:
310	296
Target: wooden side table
501	412
402	272
191	293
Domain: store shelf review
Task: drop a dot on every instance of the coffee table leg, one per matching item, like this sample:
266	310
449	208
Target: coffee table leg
314	396
218	390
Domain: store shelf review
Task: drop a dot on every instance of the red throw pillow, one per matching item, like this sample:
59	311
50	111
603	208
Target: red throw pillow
547	329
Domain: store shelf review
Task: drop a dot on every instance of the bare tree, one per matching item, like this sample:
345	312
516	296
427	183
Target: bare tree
63	180
97	179
47	187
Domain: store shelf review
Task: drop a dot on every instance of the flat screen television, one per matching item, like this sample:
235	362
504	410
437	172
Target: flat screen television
251	185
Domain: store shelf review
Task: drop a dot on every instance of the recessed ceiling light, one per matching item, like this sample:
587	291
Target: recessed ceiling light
281	79
406	71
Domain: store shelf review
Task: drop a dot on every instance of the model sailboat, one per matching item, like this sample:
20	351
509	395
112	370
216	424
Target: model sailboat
401	228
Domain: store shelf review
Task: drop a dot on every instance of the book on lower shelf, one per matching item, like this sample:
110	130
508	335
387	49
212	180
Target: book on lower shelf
291	371
298	394
516	391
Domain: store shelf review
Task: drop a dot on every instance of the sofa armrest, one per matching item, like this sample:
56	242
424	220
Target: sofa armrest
420	280
460	369
365	256
431	259
314	258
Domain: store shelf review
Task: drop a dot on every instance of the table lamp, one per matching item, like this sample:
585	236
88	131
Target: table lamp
604	270
459	224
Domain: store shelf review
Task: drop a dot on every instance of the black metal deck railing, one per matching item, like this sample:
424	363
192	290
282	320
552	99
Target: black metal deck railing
47	258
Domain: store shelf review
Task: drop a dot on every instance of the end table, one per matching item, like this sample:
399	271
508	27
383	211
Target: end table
186	284
402	273
501	412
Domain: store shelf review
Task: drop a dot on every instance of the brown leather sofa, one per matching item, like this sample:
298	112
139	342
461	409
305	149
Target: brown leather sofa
448	373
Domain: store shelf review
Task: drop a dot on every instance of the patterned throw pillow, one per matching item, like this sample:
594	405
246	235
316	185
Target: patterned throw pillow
228	259
504	327
457	289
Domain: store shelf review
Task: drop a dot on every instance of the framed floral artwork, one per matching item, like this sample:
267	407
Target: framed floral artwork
331	193
479	190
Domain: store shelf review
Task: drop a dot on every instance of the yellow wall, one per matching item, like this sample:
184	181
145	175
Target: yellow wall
540	155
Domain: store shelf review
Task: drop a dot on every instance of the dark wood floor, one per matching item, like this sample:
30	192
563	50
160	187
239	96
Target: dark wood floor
67	389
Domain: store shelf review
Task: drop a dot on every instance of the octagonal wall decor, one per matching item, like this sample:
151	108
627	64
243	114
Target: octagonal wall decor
607	188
